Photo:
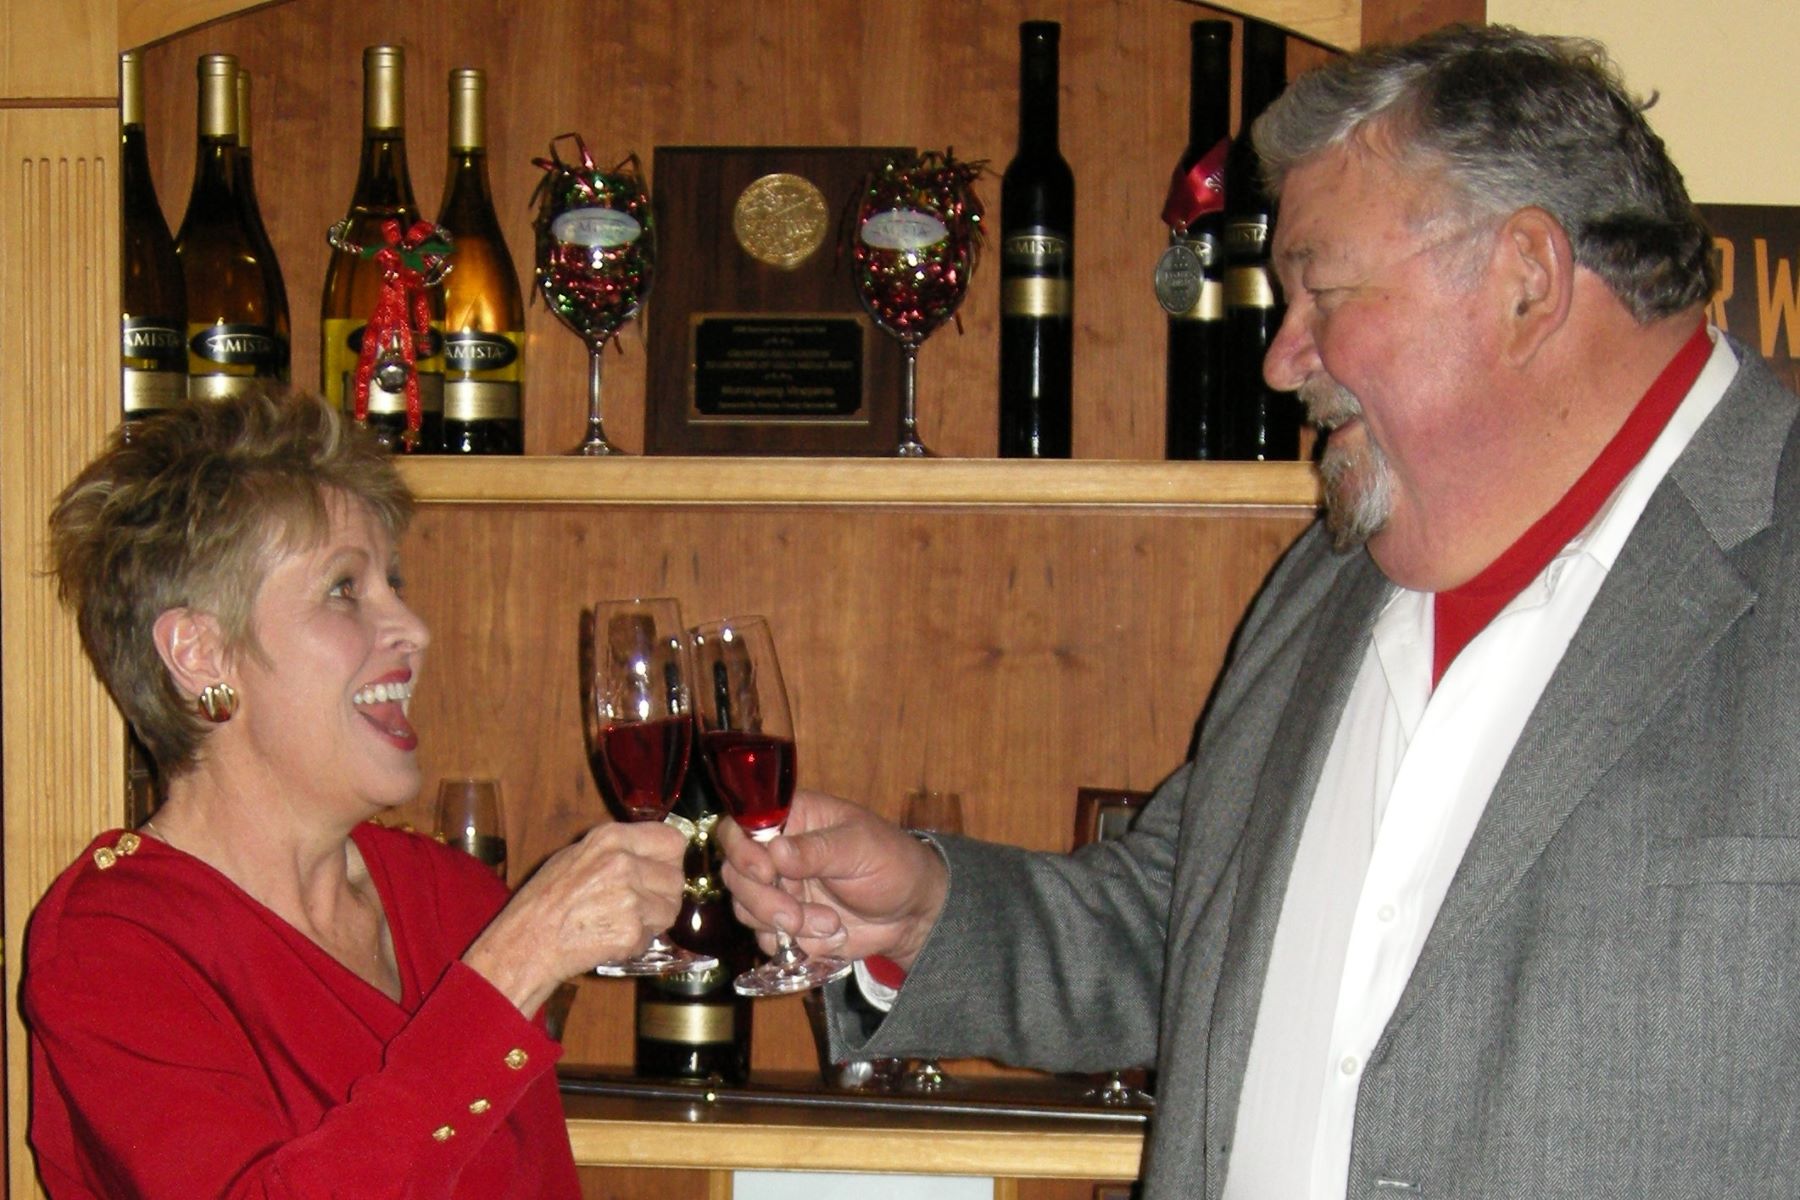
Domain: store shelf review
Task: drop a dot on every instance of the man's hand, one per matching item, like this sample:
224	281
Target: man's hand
840	880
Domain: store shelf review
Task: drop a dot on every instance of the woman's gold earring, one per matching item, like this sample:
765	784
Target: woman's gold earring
217	702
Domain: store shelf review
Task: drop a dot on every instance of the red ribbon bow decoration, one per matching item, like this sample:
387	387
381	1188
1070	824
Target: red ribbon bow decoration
401	320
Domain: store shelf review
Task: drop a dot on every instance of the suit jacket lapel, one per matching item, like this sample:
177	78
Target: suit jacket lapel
1331	654
1669	598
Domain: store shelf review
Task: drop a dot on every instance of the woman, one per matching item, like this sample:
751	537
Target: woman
260	993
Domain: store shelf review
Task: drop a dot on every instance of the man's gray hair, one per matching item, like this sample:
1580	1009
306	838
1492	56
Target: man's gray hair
1510	120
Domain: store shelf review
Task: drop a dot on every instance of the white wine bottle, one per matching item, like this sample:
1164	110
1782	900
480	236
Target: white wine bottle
152	300
353	283
243	184
484	310
231	342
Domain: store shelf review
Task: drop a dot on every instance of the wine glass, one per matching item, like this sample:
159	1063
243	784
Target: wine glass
1102	815
916	228
747	744
930	812
596	245
640	729
469	818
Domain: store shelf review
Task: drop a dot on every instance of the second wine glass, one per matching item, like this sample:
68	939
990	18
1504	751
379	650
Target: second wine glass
640	729
747	744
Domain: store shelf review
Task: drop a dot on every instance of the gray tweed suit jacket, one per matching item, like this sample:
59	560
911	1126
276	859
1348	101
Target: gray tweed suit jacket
1609	1002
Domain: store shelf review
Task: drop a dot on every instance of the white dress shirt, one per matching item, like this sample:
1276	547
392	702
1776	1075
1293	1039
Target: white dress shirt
1406	780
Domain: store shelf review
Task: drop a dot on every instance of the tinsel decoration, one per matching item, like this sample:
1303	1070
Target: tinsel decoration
410	262
911	288
593	270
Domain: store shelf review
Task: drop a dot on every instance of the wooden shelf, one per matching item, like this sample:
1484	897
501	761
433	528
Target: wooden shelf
697	1135
788	482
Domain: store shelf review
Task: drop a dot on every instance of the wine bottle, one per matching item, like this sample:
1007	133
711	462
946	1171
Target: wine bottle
1190	276
694	1025
243	183
353	283
1037	265
152	301
231	340
1260	423
484	310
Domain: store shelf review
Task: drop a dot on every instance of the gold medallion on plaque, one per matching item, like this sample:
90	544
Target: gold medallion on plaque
780	220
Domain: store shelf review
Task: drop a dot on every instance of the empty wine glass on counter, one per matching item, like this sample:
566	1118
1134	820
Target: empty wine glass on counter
747	744
916	233
930	812
469	817
638	711
596	246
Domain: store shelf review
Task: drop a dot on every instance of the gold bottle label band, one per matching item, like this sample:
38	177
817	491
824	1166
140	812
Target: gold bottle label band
1249	287
1036	296
216	386
1209	305
688	1024
480	400
153	391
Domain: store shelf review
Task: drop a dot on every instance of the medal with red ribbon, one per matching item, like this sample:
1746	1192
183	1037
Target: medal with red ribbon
1196	191
410	261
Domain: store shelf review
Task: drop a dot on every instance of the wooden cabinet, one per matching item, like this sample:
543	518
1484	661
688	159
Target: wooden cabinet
1010	630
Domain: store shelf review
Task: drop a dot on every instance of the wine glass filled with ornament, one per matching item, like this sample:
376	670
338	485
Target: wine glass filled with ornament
747	744
596	246
915	235
638	711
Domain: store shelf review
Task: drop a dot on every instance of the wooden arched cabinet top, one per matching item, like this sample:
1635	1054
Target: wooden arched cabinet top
1338	24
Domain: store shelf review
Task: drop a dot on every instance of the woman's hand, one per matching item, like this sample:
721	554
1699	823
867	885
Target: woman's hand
850	883
601	898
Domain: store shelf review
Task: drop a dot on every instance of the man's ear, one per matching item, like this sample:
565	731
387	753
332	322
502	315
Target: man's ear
1536	268
191	644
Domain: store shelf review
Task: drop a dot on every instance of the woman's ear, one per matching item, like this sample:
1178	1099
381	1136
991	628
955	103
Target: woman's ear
192	647
1537	265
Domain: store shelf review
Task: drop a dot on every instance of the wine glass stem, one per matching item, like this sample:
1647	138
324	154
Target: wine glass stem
909	425
596	432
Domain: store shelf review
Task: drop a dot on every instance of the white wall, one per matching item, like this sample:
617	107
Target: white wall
1727	73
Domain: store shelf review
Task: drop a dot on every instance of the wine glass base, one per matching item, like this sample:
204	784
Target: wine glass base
913	449
1116	1093
592	449
784	979
674	961
926	1079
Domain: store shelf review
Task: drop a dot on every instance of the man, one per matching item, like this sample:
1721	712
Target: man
1484	880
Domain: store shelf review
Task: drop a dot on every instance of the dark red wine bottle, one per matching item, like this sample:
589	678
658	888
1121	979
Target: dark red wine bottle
1037	265
1261	423
243	186
694	1025
1190	276
153	299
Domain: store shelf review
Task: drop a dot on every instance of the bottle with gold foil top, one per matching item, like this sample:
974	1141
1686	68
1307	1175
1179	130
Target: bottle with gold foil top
353	283
484	310
243	183
693	1025
153	300
231	341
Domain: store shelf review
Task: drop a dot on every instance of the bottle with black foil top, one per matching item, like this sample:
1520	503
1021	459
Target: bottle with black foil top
1037	265
1260	424
1190	275
153	299
484	310
243	184
694	1025
232	342
353	283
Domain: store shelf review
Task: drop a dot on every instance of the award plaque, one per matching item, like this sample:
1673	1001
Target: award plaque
757	341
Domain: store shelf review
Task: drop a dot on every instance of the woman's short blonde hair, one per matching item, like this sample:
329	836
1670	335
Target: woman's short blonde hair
189	509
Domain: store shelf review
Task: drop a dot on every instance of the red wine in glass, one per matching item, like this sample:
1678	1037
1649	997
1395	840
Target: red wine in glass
754	773
747	743
638	717
640	765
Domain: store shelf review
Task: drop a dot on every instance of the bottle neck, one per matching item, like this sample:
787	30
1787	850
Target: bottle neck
1265	70
1038	86
382	180
1209	93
